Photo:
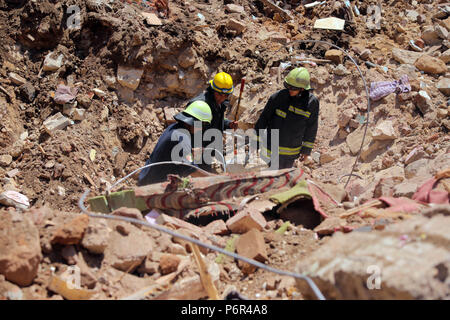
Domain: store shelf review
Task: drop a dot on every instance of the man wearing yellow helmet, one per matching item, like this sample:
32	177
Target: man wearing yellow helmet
175	144
294	111
216	96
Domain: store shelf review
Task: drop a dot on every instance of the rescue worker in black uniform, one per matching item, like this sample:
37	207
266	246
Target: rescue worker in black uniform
179	135
294	111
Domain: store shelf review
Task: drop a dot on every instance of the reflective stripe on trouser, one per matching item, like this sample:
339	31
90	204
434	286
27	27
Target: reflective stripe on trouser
308	144
283	161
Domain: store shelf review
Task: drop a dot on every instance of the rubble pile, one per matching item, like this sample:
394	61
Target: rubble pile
87	87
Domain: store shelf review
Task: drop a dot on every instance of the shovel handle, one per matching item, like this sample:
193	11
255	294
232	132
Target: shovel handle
240	96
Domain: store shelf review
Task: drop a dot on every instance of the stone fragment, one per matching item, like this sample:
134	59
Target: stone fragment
444	86
355	138
414	155
341	70
430	36
414	168
245	220
187	58
129	77
71	232
5	160
251	245
96	236
441	32
345	117
56	122
384	131
233	8
337	56
149	267
126	253
376	146
168	263
16	79
27	92
431	65
20	250
217	227
405	189
236	25
11	198
151	19
423	101
53	62
405	56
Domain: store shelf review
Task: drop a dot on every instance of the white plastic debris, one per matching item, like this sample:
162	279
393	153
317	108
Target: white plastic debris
14	199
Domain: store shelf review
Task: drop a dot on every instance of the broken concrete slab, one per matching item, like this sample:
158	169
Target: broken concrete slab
245	220
331	23
401	262
129	77
56	122
251	245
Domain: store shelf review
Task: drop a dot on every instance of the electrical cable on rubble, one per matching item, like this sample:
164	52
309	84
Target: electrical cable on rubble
312	285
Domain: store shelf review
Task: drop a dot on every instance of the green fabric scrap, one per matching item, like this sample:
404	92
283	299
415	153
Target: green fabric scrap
99	204
300	190
126	199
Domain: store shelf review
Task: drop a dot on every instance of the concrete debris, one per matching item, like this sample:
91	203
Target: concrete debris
53	62
72	232
251	245
14	199
129	77
331	23
431	65
245	220
56	122
384	131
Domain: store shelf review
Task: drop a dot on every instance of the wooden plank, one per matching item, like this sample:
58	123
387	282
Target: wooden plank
205	277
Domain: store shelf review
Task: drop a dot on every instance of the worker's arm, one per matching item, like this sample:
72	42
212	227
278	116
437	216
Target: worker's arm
266	115
311	130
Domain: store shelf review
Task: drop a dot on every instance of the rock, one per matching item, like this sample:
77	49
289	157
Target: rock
375	146
431	65
441	32
405	189
423	101
175	248
168	263
236	25
11	198
233	8
5	160
414	155
129	213
445	56
56	122
149	267
99	93
345	117
151	18
408	69
278	38
340	70
412	15
329	226
16	79
328	157
337	56
444	86
71	232
96	236
187	58
251	245
27	92
126	253
9	291
53	62
78	114
430	36
382	265
20	249
442	113
354	140
245	220
385	187
217	227
129	77
445	23
366	54
405	56
384	131
69	254
178	223
413	169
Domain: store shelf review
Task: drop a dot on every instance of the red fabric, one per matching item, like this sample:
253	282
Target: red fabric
402	204
426	193
320	199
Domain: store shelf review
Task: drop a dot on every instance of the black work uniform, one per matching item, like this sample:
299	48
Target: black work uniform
297	120
162	152
218	111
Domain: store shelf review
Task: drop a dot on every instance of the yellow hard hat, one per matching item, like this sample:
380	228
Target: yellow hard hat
298	78
222	83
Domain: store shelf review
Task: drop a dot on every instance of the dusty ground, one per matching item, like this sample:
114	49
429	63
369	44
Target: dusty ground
177	58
